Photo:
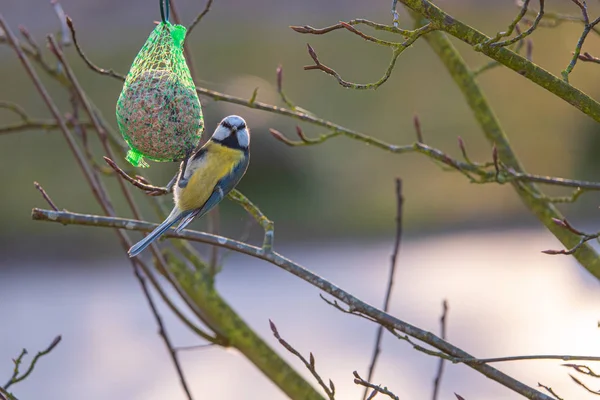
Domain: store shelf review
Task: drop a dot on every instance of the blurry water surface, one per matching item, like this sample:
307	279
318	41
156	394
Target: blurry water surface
506	298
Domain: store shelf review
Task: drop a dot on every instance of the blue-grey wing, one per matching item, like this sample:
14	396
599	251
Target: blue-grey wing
230	181
223	186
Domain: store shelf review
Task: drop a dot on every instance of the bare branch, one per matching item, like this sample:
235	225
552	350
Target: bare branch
376	388
17	109
438	377
583	385
500	174
358	21
561	357
583	369
259	217
513	25
199	17
284	98
150	189
163	334
588	26
397	49
417	124
390	283
45	196
357	306
16	378
93	67
550	390
584	238
494	42
310	364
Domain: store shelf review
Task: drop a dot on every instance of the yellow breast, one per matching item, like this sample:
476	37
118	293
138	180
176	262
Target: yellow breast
217	163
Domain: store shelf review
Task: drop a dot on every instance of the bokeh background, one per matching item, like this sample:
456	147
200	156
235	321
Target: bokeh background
333	205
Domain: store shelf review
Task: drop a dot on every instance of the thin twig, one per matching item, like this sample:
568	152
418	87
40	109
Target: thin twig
554	19
550	390
194	347
376	388
534	25
397	49
34	53
357	21
284	98
583	385
440	370
46	125
163	333
417	125
150	189
91	65
516	47
513	25
17	109
583	369
562	357
45	196
200	16
16	378
390	283
588	26
584	238
310	364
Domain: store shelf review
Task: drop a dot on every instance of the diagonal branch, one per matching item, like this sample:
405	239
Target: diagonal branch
275	258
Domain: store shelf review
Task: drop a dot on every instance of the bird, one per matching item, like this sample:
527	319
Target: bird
206	177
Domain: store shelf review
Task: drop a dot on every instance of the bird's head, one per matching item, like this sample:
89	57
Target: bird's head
232	132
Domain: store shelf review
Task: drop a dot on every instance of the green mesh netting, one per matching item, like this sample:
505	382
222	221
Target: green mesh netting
158	111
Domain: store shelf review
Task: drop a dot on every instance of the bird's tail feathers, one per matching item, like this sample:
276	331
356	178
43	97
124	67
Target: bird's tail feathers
186	221
171	220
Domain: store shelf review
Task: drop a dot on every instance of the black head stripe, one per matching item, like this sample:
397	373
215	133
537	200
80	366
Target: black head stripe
230	141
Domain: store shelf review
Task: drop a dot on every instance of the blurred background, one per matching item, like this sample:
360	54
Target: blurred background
333	205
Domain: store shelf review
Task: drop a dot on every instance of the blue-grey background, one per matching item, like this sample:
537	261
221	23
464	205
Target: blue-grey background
333	204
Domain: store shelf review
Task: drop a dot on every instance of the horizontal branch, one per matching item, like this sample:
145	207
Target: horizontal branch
275	258
46	125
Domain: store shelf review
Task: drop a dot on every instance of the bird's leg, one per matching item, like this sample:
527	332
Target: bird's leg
171	183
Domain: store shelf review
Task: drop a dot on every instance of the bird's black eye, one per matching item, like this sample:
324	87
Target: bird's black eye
227	125
241	126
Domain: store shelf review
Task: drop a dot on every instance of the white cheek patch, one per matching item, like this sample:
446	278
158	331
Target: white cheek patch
221	133
243	138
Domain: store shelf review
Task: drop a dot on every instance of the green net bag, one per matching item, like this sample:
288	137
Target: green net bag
158	111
